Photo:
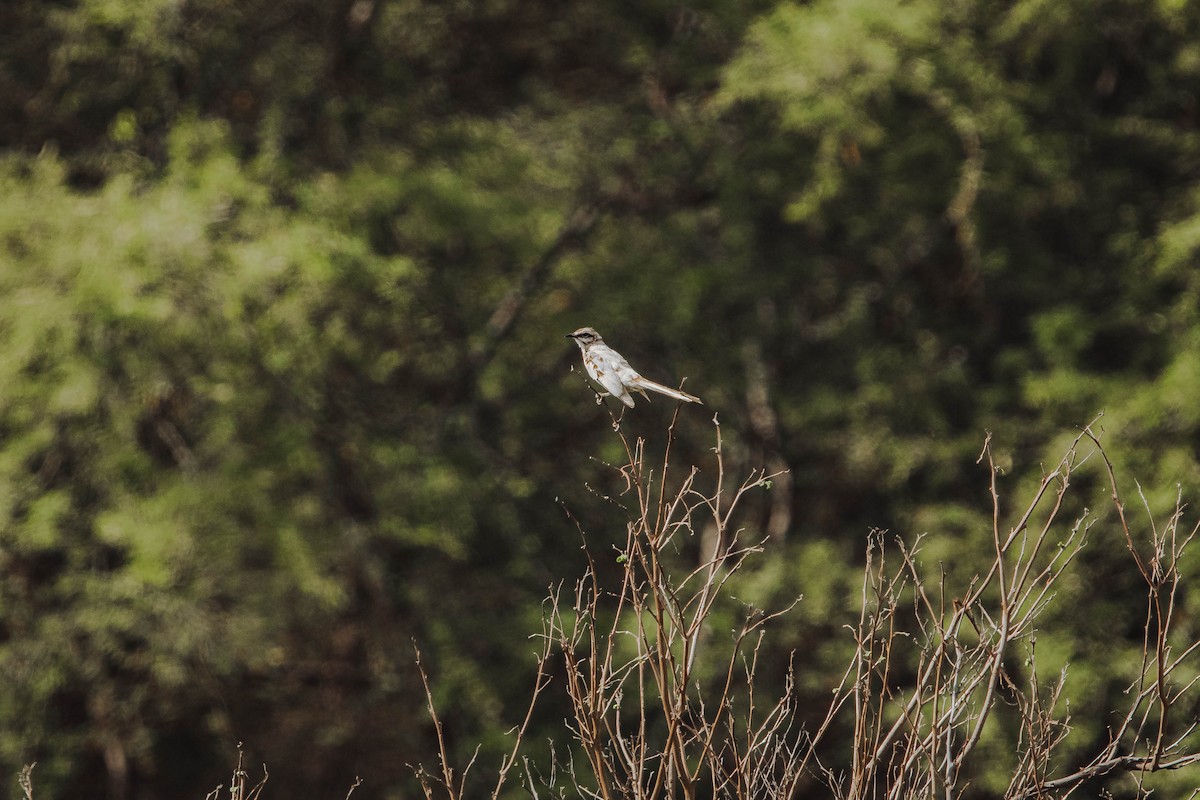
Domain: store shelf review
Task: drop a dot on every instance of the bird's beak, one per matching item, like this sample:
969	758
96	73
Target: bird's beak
570	336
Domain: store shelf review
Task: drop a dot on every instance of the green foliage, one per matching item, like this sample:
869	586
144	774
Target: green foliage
282	377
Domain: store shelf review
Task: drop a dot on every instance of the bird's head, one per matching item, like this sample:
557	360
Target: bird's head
585	336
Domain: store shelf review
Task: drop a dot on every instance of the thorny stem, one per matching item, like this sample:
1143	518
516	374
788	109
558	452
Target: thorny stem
633	639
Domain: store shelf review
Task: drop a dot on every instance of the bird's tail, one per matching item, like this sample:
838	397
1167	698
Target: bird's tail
644	383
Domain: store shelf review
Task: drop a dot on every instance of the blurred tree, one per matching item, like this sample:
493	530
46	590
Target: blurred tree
285	285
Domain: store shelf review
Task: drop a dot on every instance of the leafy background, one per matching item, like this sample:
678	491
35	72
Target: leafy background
283	383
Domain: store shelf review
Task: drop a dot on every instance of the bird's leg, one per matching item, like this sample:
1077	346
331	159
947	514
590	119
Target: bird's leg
599	395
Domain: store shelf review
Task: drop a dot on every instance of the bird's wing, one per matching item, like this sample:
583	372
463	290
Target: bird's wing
632	380
606	368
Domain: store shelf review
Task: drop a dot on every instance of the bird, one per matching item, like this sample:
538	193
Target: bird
609	368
